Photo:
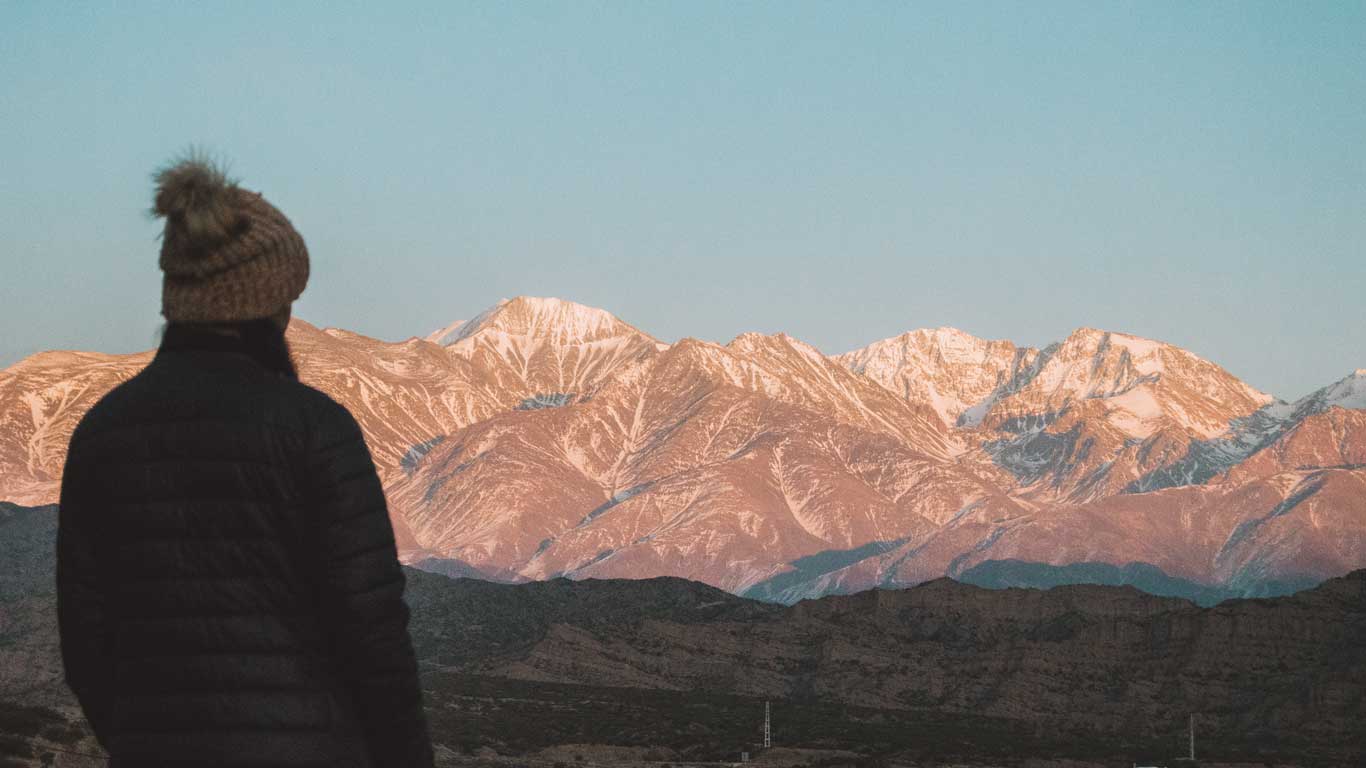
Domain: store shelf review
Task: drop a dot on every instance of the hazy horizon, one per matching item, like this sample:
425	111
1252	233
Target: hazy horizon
843	174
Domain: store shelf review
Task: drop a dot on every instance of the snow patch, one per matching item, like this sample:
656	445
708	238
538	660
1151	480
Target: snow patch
1134	412
1348	393
447	335
1136	345
463	329
973	416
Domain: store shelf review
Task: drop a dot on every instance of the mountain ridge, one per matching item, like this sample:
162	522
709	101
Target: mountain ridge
544	437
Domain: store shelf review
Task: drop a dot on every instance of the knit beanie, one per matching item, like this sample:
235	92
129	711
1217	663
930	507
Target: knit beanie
226	253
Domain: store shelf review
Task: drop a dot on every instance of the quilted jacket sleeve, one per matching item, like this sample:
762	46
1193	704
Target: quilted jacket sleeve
82	612
362	595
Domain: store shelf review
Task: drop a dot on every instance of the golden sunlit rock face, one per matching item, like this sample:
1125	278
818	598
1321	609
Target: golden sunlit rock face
546	438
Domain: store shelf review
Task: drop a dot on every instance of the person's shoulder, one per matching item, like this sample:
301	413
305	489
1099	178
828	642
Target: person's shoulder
316	410
316	402
107	411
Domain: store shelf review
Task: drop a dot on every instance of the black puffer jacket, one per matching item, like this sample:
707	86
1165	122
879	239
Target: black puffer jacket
228	588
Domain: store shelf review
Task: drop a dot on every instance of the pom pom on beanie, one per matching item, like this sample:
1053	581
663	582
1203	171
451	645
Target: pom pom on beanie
199	203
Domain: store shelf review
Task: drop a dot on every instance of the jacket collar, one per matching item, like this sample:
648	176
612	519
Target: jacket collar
179	337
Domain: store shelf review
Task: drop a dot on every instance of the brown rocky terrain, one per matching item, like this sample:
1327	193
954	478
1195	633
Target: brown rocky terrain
941	671
1260	674
42	398
1334	438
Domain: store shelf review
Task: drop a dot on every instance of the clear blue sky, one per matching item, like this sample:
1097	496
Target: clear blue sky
839	171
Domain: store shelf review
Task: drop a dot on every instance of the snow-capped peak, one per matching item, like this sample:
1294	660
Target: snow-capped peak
447	335
755	340
1144	354
1349	392
944	343
550	345
557	320
942	333
944	368
964	378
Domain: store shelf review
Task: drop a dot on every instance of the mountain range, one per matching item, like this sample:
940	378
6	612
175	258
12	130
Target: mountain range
543	438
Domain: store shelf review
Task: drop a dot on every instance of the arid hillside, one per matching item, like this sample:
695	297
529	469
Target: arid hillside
940	671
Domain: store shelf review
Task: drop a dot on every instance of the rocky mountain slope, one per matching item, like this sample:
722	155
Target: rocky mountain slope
42	398
544	438
1080	419
940	670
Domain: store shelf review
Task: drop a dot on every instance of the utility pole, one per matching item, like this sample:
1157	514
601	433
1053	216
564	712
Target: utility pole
768	726
1192	737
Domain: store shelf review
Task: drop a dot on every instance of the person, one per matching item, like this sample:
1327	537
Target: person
229	592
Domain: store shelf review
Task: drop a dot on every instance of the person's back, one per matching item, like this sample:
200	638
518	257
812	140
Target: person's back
229	592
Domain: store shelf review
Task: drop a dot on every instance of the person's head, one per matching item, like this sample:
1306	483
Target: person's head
231	262
227	255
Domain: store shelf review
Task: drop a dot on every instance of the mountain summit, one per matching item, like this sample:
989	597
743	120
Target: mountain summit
946	369
552	320
558	348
